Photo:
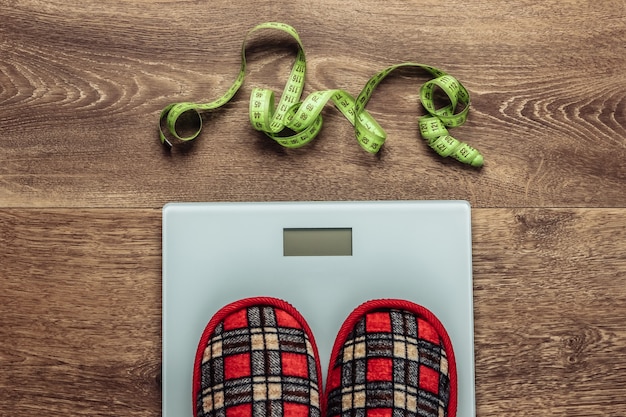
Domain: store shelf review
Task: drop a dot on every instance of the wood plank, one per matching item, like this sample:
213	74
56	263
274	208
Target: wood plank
83	85
80	311
549	308
80	315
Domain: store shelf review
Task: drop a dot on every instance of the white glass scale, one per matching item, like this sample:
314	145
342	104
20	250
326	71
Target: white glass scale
325	258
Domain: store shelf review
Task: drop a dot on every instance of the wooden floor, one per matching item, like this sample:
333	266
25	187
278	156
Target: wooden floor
83	178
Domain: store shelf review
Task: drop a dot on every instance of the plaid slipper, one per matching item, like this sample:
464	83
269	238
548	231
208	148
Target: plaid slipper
391	358
257	358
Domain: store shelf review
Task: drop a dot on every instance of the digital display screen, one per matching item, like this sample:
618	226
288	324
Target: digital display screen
317	242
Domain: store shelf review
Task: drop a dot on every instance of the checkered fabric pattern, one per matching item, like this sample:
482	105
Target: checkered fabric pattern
391	363
258	360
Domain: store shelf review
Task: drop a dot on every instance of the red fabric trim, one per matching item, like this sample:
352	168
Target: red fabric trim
416	309
229	311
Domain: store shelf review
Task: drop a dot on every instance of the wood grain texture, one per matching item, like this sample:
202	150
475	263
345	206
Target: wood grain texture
83	177
549	294
82	87
80	315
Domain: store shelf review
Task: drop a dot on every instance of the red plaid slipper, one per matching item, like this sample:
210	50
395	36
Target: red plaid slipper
391	358
257	358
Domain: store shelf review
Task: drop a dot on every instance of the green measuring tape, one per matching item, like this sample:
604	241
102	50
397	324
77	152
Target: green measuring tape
295	122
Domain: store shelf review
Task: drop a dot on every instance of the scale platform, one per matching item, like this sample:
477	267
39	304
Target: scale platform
325	258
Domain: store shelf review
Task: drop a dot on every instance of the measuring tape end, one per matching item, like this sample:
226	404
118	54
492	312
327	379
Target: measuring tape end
468	155
478	161
184	114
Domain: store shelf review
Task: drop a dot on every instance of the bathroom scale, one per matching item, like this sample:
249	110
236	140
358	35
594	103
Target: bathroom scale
324	258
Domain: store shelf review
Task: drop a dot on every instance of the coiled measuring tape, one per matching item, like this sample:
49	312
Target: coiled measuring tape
302	118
